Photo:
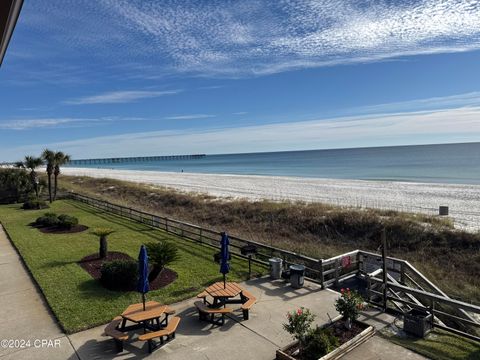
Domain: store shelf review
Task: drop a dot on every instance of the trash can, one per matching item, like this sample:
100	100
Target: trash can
297	276
275	268
417	322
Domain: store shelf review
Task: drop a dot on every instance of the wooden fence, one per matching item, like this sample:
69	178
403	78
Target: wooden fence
405	286
207	237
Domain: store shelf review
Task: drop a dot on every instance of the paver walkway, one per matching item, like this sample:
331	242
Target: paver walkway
25	316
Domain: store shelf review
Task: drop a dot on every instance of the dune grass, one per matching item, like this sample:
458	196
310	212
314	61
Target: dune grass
440	345
447	256
79	301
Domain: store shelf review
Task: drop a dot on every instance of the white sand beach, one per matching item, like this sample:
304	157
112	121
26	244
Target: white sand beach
463	200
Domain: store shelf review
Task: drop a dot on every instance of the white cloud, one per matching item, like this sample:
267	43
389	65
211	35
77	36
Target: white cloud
26	124
443	126
471	99
30	124
115	97
189	117
252	37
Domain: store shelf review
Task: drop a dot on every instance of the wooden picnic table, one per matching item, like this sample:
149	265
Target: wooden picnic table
223	293
153	312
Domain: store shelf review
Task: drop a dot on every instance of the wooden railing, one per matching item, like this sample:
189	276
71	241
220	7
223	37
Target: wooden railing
406	285
204	236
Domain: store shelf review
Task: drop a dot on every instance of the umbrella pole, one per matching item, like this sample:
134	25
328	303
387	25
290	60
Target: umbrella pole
143	299
224	282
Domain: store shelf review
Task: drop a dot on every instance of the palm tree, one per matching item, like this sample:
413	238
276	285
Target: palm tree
49	157
102	234
60	159
31	163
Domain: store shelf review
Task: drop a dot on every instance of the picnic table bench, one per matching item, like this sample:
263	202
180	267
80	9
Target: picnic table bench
118	336
168	332
204	312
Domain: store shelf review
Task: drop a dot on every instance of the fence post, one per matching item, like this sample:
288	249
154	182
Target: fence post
337	273
321	273
432	311
201	236
369	287
385	273
166	225
402	273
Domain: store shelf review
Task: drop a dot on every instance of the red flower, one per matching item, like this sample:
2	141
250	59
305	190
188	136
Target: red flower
299	312
348	289
342	290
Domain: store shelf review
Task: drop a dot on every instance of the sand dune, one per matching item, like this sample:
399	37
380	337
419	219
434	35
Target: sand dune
463	200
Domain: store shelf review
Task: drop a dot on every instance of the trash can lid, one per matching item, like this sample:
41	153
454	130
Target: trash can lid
297	267
275	260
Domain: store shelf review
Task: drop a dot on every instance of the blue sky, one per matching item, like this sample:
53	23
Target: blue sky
123	78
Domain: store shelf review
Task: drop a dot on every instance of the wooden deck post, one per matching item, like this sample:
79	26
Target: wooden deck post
384	265
321	273
337	273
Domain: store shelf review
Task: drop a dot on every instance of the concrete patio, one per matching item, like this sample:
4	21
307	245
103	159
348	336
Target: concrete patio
26	316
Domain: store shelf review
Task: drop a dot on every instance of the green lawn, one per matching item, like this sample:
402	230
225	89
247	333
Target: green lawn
440	345
79	301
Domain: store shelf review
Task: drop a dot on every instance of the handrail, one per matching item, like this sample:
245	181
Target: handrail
432	296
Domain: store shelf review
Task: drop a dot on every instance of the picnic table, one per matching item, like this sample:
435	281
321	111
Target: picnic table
224	293
154	317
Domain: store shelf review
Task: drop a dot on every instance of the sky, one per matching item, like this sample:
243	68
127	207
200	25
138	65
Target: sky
106	78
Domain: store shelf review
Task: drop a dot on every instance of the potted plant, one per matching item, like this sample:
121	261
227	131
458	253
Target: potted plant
348	305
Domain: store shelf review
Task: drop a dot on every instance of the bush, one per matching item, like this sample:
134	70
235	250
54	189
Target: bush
299	324
160	255
15	186
349	304
319	343
67	222
47	220
119	274
35	205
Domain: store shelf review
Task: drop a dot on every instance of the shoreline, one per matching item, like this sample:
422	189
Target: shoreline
463	200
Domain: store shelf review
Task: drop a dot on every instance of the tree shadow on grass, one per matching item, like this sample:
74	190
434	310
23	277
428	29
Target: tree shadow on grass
93	289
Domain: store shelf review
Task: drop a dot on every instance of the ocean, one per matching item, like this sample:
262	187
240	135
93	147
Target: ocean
445	163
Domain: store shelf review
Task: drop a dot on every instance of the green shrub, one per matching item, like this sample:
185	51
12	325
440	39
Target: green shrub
15	186
349	303
119	274
67	222
160	254
47	220
319	343
34	205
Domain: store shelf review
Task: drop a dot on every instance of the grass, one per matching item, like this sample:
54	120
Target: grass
448	257
440	345
79	301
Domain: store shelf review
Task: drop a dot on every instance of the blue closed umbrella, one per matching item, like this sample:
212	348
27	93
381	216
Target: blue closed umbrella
142	285
224	255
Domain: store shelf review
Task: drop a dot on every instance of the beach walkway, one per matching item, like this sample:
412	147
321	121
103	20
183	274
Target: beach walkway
25	316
